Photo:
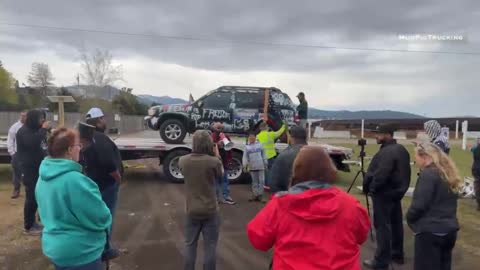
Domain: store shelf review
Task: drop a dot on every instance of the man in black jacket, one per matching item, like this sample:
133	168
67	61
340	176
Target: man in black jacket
31	141
282	167
103	164
476	171
387	181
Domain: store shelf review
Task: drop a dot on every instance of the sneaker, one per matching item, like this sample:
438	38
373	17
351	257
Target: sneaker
35	230
228	201
15	194
266	188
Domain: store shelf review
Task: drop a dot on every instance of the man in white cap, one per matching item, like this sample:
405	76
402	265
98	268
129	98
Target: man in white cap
103	164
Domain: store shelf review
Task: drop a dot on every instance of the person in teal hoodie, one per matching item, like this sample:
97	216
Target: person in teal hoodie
71	208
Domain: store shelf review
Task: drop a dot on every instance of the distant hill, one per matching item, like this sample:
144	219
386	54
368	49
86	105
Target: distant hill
109	92
346	115
149	99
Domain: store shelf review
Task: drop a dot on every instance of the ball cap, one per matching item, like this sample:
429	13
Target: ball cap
94	113
385	129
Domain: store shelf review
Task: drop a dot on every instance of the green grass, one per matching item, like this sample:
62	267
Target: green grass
463	160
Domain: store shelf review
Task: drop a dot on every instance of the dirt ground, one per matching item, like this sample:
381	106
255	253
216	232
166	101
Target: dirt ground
149	223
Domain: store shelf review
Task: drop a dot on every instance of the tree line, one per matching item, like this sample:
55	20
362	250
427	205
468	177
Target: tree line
98	71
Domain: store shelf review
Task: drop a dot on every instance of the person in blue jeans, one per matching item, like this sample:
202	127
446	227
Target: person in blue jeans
75	217
102	163
226	157
200	169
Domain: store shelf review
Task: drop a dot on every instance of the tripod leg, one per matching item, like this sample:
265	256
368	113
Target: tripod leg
370	216
354	180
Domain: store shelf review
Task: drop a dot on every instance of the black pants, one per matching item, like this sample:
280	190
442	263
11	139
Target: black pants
434	252
30	179
387	219
476	186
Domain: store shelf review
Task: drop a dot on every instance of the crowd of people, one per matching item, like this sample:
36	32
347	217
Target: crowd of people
73	177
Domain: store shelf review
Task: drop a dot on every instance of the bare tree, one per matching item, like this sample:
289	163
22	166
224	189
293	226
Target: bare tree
98	68
40	76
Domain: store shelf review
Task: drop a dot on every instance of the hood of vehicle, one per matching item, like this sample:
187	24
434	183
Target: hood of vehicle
168	108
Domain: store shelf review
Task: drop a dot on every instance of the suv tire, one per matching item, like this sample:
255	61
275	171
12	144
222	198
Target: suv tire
173	131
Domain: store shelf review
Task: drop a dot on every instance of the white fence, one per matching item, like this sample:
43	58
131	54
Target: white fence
124	124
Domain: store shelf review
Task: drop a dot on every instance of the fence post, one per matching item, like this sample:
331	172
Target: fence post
363	128
456	129
465	134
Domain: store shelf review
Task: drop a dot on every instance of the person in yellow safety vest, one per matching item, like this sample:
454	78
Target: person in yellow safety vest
267	139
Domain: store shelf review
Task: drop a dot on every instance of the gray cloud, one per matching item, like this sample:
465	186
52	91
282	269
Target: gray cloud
371	24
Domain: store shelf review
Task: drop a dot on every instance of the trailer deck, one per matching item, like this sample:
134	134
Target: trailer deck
148	145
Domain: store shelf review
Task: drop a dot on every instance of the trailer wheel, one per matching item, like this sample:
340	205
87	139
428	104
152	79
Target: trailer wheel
235	168
171	168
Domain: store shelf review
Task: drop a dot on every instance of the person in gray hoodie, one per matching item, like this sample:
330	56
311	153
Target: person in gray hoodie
255	161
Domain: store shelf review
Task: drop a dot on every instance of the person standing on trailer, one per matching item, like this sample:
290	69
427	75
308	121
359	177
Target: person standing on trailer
302	110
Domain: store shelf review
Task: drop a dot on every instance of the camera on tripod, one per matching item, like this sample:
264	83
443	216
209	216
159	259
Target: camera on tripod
362	142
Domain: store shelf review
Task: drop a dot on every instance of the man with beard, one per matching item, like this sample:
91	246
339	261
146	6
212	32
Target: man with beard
103	164
387	181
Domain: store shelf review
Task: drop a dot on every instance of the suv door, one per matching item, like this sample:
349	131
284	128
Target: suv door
281	108
248	111
216	107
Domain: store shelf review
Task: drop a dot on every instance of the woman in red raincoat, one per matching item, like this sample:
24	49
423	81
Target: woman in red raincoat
314	225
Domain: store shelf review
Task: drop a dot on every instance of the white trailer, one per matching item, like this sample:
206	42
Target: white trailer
132	148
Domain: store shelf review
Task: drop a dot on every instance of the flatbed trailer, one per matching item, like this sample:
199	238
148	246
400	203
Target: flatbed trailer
169	154
133	148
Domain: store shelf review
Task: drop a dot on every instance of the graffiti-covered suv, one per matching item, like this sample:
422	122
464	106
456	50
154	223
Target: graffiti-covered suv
239	108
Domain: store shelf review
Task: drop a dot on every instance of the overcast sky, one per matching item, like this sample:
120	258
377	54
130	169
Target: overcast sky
230	54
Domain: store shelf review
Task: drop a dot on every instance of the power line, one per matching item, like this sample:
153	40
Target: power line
248	42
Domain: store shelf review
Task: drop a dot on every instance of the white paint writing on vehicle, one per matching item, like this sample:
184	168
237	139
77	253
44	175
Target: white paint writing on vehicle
216	114
175	108
203	125
280	99
241	124
246	114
